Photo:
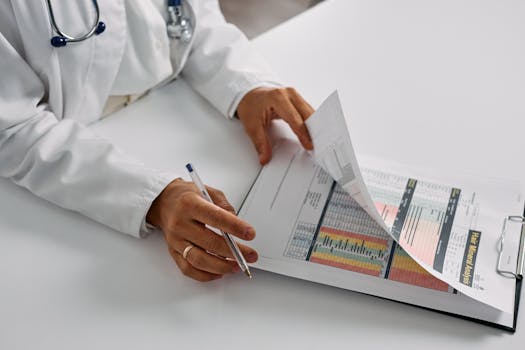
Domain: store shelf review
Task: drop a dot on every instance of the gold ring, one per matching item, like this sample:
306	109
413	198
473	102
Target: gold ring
186	251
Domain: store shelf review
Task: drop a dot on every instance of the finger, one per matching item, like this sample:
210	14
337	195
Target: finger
249	254
261	141
211	242
214	216
219	198
287	111
300	104
190	271
203	261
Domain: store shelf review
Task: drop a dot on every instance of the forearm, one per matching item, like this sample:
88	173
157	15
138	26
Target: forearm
66	164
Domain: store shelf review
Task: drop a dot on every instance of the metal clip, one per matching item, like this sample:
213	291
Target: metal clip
518	274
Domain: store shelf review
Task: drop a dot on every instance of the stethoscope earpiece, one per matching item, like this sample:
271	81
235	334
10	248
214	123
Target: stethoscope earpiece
101	27
58	41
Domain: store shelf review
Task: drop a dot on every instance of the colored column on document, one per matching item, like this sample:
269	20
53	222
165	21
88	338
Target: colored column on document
404	269
387	211
351	251
421	229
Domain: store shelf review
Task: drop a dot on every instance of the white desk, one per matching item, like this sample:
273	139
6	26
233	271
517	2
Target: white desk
436	83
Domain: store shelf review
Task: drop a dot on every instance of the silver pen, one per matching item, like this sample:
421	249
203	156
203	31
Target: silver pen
243	265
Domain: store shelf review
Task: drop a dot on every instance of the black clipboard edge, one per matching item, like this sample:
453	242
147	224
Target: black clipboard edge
472	319
462	317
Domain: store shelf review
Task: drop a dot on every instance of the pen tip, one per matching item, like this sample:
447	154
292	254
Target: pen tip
248	273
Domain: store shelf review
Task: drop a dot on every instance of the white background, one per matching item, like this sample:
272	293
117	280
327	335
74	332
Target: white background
431	83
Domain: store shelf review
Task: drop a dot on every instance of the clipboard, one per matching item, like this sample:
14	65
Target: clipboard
272	260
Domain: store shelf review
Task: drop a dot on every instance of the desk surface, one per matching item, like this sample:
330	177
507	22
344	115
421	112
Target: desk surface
436	84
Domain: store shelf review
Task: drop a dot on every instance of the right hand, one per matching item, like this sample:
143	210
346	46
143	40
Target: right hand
182	213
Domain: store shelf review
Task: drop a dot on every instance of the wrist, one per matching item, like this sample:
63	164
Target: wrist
155	212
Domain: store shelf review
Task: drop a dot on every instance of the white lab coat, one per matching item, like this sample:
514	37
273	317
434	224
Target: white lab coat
48	95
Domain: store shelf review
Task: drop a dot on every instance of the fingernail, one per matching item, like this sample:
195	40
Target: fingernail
307	142
310	142
249	233
236	269
252	257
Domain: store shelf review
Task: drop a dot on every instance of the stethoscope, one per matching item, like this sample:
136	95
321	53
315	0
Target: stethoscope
178	26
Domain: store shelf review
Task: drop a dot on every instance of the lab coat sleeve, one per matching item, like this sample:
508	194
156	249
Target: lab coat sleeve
63	161
222	65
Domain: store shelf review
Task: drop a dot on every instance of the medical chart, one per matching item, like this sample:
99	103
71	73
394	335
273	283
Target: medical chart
341	234
380	219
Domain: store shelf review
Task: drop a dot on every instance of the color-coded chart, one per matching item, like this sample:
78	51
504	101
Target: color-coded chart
348	238
351	251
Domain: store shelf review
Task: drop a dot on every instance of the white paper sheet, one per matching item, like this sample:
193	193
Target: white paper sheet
333	151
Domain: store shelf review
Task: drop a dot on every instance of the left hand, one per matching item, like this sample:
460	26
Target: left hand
260	106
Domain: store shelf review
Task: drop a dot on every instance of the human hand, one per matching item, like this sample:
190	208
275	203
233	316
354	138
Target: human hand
182	213
260	106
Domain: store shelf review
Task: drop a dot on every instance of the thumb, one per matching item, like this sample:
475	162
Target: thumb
261	141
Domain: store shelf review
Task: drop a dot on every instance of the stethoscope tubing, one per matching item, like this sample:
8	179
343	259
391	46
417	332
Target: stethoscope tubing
70	38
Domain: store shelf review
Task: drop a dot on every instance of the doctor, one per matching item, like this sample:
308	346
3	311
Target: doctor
66	64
